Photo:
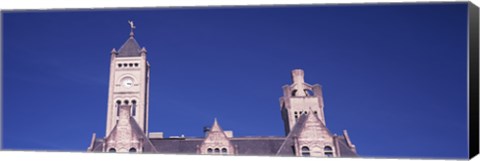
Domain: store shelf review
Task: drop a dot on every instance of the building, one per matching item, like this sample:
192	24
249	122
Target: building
301	108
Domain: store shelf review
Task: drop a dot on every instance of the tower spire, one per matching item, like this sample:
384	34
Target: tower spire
215	126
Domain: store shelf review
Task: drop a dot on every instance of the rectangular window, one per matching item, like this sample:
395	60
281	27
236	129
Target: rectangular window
118	109
134	109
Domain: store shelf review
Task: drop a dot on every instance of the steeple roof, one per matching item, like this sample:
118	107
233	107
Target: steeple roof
130	48
215	126
297	131
216	133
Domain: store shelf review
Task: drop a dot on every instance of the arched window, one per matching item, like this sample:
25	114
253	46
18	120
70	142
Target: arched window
119	65
294	92
308	92
125	64
209	150
328	151
327	148
305	151
118	107
132	150
126	102
131	64
217	151
136	64
134	107
112	150
224	150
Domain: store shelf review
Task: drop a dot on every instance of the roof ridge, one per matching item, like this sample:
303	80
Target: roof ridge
136	128
291	134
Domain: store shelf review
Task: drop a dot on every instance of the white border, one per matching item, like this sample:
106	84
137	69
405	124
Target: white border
16	5
74	156
89	4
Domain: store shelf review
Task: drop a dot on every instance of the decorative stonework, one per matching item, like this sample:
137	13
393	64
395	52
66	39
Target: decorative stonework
127	119
129	80
123	137
216	142
307	134
300	98
316	137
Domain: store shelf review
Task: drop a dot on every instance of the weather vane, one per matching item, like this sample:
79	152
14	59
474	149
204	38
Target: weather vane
131	27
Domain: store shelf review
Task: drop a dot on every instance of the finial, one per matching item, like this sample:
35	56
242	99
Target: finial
143	50
297	76
215	126
113	52
131	27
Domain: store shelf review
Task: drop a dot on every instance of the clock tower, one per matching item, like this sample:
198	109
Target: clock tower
129	84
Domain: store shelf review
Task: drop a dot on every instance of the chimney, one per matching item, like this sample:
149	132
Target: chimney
206	129
228	133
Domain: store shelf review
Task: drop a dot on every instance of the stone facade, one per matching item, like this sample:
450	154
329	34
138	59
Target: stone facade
301	108
216	142
129	82
124	138
300	98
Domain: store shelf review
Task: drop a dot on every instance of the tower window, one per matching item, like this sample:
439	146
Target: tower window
209	150
112	150
305	151
308	92
126	102
119	65
131	64
136	64
314	112
132	150
328	151
294	92
134	107
125	64
224	150
118	107
217	151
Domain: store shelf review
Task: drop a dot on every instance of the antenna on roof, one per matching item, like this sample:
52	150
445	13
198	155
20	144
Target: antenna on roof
131	27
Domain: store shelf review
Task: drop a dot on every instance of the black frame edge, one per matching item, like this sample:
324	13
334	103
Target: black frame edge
473	58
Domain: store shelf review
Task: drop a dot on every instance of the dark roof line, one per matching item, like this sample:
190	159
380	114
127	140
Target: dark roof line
130	48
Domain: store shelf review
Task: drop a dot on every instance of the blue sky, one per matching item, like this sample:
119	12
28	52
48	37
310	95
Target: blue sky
394	76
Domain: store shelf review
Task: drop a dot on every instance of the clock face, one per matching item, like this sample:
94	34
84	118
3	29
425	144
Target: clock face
127	82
